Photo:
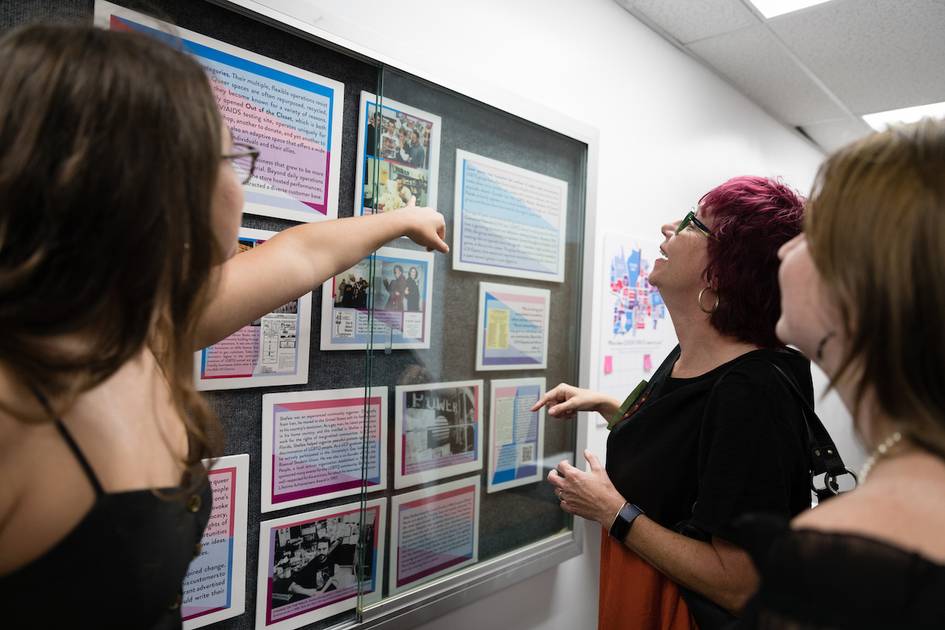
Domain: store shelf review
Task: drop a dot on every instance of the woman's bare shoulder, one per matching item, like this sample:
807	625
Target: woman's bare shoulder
895	511
43	495
13	436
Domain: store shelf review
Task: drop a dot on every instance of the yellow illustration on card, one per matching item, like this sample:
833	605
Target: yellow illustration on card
497	327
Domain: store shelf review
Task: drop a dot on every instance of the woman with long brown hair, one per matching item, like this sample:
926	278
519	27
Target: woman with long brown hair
863	295
119	211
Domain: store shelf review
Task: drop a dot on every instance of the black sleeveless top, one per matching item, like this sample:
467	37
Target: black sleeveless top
121	566
707	449
814	580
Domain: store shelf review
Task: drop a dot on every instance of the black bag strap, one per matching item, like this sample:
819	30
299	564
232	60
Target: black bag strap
824	457
824	460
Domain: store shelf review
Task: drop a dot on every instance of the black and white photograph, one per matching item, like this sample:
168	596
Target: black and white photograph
310	563
439	428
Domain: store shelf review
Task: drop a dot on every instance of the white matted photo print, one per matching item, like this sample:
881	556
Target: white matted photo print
215	584
512	333
272	350
437	431
398	156
516	433
434	531
293	117
507	220
398	284
313	445
310	565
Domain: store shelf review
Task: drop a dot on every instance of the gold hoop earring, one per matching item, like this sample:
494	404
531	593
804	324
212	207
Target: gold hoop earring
714	306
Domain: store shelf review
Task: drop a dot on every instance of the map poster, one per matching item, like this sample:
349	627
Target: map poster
636	331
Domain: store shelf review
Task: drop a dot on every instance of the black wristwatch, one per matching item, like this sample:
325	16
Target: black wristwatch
624	520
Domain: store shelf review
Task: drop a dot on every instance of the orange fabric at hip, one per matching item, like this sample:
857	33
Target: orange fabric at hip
635	596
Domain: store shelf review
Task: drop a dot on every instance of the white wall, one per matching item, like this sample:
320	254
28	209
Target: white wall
670	130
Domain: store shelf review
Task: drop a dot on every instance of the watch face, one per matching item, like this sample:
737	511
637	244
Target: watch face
624	521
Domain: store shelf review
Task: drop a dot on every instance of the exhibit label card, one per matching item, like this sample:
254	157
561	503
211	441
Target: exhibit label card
398	284
438	431
434	531
214	587
513	327
398	156
314	445
516	433
309	564
273	350
292	116
508	221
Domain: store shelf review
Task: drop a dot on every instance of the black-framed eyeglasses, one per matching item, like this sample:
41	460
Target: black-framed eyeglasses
690	219
243	158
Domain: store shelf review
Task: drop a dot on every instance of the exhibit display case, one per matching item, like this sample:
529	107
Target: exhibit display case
383	464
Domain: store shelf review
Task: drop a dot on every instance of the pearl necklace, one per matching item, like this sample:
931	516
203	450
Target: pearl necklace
879	453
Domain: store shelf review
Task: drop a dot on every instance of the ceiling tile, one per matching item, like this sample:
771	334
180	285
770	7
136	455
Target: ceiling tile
833	134
753	61
874	56
693	20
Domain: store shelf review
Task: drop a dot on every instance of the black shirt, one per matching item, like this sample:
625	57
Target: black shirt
121	566
710	448
813	580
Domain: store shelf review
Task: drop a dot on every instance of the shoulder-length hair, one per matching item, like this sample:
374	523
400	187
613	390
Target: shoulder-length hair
753	217
876	233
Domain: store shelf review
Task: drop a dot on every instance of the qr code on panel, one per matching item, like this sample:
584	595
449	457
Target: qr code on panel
526	453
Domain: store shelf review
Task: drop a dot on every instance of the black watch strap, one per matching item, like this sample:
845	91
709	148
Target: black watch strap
624	520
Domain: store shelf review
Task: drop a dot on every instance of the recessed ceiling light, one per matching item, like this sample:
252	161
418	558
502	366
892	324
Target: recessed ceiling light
879	120
771	8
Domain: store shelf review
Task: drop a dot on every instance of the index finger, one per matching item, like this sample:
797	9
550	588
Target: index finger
545	398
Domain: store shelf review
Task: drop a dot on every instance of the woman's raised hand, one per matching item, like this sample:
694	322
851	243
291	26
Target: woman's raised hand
565	400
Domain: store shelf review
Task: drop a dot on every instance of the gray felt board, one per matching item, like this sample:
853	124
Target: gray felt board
508	519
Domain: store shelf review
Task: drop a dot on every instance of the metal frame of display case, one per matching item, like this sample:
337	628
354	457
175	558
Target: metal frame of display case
453	591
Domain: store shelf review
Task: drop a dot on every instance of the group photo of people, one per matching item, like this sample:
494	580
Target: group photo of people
398	137
352	291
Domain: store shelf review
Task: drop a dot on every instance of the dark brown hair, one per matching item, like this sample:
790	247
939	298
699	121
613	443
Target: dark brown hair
876	232
109	154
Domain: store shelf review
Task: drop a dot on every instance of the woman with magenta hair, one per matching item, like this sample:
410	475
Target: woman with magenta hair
713	435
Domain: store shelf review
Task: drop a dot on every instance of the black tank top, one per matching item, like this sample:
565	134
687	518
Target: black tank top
121	566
